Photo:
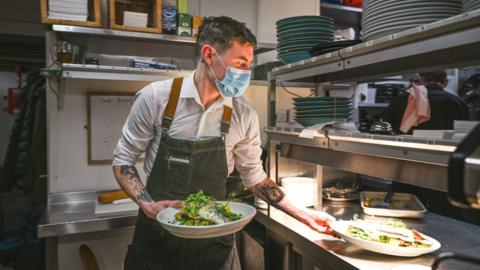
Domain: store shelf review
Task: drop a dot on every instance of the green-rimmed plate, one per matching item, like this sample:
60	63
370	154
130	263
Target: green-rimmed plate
322	30
301	41
324	115
290	37
299	99
288	58
321	102
314	112
304	42
306	122
327	27
310	18
321	107
288	47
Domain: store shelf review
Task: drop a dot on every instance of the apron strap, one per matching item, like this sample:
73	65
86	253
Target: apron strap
226	120
171	105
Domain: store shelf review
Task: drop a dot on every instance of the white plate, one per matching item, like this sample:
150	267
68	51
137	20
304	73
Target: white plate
384	6
167	216
340	227
389	19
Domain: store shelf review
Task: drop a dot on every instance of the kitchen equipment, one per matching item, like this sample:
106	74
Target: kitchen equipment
381	127
166	218
402	205
63	52
385	203
316	110
341	228
108	197
301	191
297	35
92	61
381	18
117	207
327	47
259	203
470	5
88	259
341	192
464	172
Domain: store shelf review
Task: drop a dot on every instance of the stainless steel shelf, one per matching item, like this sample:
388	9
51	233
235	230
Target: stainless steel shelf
452	42
94	72
119	34
406	159
110	33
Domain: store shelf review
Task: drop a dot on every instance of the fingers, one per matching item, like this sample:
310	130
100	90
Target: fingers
321	229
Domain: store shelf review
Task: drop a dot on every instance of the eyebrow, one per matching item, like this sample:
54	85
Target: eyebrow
243	58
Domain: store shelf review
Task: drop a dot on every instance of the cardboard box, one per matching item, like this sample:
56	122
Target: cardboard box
184	25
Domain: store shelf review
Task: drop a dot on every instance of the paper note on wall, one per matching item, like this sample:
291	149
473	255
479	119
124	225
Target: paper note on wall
106	117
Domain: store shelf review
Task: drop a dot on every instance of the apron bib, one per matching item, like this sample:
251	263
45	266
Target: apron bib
183	167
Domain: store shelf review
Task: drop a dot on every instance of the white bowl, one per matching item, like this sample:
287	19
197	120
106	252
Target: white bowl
167	216
301	191
340	227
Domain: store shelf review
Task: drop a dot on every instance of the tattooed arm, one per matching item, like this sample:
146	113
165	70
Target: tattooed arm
271	193
128	178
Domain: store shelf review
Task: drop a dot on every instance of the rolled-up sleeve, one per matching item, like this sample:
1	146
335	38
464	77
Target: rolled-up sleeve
247	154
138	130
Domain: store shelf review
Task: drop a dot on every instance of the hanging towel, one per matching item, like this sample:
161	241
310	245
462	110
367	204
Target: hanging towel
418	108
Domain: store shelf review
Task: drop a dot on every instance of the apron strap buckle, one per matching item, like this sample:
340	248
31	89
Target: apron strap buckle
166	123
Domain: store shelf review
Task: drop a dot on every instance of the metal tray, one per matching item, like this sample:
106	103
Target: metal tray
404	205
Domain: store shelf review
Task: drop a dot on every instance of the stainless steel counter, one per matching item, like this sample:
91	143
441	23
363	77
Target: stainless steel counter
332	253
71	213
74	212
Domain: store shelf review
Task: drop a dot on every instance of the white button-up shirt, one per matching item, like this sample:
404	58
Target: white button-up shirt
142	130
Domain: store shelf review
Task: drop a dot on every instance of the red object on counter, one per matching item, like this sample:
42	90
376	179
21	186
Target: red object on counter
353	3
15	99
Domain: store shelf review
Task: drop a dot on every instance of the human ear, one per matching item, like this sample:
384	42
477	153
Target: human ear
207	54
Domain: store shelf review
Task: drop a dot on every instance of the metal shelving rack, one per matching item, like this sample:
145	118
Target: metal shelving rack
452	42
119	34
99	72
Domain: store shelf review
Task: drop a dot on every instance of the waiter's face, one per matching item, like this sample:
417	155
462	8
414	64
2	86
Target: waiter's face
237	56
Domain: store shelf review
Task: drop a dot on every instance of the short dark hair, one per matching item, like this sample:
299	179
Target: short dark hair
221	32
434	77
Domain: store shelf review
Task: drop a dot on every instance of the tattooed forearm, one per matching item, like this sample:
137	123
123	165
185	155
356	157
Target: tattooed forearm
268	191
134	187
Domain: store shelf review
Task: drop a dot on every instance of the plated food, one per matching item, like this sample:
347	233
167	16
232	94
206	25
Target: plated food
393	232
391	237
201	210
203	217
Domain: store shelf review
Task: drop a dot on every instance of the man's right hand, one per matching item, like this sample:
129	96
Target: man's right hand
151	209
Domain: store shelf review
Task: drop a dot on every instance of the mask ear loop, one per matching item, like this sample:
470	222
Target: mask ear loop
210	66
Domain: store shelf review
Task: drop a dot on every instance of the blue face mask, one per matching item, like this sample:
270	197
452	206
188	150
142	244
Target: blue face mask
235	82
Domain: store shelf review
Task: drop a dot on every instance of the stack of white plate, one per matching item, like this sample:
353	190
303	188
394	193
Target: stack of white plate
301	191
384	17
469	5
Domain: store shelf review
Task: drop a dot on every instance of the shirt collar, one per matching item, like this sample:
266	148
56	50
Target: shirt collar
189	90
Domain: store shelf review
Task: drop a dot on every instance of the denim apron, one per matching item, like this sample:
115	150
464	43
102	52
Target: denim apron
183	167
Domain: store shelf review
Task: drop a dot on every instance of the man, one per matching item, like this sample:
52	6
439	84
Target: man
444	106
194	132
444	109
